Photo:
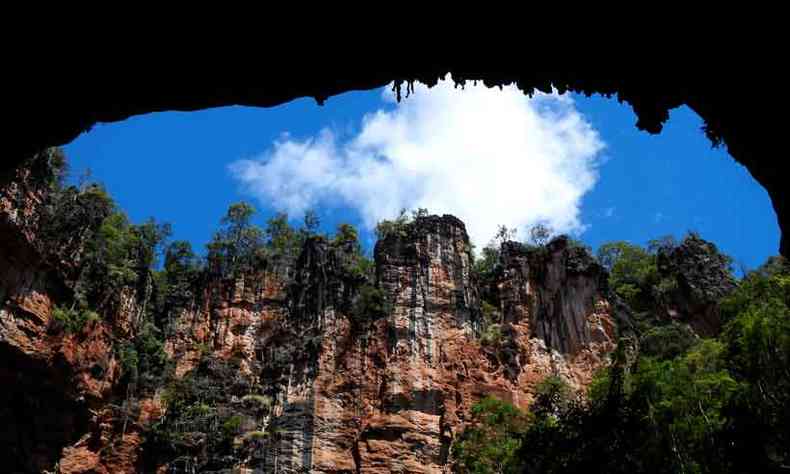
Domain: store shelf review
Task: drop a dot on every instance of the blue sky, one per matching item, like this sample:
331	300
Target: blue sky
361	156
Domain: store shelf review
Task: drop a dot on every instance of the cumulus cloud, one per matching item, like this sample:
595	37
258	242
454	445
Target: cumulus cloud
488	156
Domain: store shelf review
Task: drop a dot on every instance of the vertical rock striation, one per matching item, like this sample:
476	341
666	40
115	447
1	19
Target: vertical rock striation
293	372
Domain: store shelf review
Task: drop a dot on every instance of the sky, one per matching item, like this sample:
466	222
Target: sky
489	156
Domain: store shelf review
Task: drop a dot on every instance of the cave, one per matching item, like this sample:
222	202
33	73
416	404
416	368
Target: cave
56	112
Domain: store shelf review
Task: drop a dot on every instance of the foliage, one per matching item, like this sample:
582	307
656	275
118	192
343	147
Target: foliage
393	228
73	320
492	335
665	243
143	360
667	341
49	167
662	417
371	304
489	312
311	223
553	395
682	401
685	404
757	335
261	402
230	427
355	264
118	255
360	266
346	234
182	269
283	241
256	435
492	443
237	245
632	273
485	266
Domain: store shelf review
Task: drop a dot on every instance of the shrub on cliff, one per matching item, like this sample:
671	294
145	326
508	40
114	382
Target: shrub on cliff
632	273
72	320
483	267
491	335
355	264
371	304
491	443
552	396
393	228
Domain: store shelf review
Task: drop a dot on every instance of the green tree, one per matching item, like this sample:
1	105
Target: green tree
396	227
236	246
632	273
346	233
181	270
757	337
491	444
282	239
484	265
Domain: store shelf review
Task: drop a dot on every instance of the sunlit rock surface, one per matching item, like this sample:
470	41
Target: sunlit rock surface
347	393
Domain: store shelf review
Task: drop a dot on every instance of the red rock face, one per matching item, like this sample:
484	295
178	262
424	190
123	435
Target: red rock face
390	395
373	395
53	380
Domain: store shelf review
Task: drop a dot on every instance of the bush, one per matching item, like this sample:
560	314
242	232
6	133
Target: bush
256	435
128	359
668	341
552	396
393	228
371	304
491	335
231	426
359	267
198	409
492	441
73	319
484	266
260	402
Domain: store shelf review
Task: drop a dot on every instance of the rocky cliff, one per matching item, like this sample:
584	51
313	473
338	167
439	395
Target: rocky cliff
698	277
57	385
295	370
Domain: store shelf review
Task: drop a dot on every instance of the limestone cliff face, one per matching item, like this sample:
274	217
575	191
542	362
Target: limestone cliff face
310	383
389	394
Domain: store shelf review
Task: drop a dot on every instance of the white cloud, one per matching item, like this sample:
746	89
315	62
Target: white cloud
488	156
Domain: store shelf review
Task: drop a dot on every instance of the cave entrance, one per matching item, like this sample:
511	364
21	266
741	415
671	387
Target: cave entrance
513	168
492	157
